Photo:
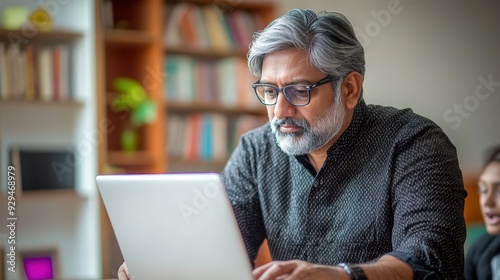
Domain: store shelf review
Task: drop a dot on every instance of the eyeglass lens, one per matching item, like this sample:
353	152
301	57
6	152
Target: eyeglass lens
295	94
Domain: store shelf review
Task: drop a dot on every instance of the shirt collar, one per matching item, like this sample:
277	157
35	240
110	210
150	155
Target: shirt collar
344	143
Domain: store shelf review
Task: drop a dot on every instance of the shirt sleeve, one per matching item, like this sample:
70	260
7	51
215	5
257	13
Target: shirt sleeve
429	199
420	271
239	177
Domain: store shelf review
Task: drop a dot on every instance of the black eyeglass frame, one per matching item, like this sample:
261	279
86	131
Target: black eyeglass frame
325	80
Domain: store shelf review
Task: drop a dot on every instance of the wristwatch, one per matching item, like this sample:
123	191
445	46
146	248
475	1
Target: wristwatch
354	271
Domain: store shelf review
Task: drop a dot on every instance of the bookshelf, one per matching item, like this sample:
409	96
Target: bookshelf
207	81
35	69
47	103
132	49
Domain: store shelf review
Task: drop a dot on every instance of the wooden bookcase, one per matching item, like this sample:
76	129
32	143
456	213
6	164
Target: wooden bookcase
132	42
132	49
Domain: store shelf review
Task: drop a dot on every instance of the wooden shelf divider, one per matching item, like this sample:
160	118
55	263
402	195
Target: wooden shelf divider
138	158
128	37
205	53
54	35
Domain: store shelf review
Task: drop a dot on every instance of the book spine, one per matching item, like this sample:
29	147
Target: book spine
3	72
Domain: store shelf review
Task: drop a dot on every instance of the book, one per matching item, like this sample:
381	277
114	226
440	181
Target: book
172	36
12	71
200	26
174	135
56	75
45	74
187	25
227	81
62	72
3	72
207	137
30	73
219	134
217	32
194	136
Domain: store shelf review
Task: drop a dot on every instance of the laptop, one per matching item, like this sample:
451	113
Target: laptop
175	226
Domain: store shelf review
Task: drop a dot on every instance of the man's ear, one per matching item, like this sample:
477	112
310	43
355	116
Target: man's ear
352	85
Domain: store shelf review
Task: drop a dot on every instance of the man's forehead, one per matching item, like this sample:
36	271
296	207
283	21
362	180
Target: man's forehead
287	64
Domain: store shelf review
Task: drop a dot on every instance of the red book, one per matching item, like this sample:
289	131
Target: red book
187	26
56	76
195	137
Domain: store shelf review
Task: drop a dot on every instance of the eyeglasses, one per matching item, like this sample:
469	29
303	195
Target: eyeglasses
297	95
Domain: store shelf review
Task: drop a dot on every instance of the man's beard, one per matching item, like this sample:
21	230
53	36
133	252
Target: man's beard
310	138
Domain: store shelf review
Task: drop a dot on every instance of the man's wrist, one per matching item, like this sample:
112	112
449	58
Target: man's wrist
354	272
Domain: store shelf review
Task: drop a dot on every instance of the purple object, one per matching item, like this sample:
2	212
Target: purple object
38	268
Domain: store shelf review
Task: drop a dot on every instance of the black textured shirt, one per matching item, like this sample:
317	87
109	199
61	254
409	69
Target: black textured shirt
390	184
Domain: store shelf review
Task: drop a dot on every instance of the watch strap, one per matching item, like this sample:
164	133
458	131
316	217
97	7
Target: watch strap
354	271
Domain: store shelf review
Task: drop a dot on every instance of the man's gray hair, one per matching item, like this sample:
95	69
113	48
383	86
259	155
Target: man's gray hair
327	37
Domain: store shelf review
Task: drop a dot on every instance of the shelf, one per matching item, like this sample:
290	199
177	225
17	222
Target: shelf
183	165
20	35
125	159
229	5
179	107
204	53
21	101
128	37
62	193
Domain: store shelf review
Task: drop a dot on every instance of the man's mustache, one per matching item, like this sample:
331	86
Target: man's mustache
276	123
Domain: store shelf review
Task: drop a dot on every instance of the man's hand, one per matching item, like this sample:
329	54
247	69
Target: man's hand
298	270
123	272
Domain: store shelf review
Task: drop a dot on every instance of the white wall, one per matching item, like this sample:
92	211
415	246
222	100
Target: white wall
431	56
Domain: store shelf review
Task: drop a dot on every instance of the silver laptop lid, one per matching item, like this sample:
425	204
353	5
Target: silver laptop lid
175	226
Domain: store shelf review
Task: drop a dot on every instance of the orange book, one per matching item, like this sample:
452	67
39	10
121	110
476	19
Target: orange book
187	26
194	137
241	83
30	79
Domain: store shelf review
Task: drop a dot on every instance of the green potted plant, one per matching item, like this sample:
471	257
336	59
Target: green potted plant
133	98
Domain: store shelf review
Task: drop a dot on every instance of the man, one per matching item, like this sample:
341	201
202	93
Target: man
340	189
332	180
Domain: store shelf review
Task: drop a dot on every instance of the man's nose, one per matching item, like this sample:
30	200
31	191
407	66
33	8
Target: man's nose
283	108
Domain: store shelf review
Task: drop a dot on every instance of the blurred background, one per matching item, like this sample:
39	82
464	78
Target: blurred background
154	86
